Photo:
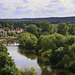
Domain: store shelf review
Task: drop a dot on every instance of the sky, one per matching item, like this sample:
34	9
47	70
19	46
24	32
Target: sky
36	8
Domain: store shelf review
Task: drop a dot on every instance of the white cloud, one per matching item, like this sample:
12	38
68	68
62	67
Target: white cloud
67	3
36	8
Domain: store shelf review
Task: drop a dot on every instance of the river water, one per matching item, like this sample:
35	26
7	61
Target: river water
25	59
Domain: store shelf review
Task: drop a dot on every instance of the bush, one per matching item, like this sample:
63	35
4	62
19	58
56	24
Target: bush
52	41
7	66
28	40
29	72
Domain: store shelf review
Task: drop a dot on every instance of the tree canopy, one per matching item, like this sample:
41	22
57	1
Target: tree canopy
28	40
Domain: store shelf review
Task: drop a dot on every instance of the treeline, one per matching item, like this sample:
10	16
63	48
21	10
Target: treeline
8	67
11	25
55	42
45	27
53	20
39	28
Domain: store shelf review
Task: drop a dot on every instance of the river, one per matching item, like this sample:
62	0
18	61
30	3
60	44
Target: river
26	59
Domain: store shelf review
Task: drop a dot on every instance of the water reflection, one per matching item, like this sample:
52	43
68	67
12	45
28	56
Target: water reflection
10	42
27	59
44	66
56	72
27	53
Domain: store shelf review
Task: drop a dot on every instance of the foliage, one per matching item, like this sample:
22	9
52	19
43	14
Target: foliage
52	41
58	48
55	42
3	36
32	29
64	58
11	34
71	29
11	25
3	48
62	28
7	66
28	40
45	26
70	39
29	72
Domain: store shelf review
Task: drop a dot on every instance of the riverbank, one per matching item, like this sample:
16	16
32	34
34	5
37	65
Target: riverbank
27	59
8	38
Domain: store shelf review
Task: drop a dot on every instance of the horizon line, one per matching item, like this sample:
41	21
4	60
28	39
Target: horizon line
40	17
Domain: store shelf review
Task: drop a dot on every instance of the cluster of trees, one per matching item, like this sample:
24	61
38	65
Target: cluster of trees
11	25
53	20
45	27
28	40
56	42
66	28
38	28
8	67
59	49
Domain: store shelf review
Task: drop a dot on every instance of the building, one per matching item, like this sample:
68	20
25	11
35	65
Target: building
3	32
18	30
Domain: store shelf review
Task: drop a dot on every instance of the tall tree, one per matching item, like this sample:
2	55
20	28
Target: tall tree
45	26
62	28
32	29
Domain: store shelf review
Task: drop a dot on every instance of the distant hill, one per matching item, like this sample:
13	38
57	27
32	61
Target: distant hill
50	19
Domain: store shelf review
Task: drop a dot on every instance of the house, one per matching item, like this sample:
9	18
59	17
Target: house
18	30
3	32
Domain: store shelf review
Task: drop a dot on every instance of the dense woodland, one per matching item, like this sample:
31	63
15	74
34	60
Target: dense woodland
53	20
11	25
55	42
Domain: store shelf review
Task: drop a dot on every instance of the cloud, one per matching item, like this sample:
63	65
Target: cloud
36	8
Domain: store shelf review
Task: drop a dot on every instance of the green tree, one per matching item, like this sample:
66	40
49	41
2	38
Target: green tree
48	42
7	66
28	40
46	26
66	58
0	25
32	29
72	29
29	72
70	39
62	28
72	50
